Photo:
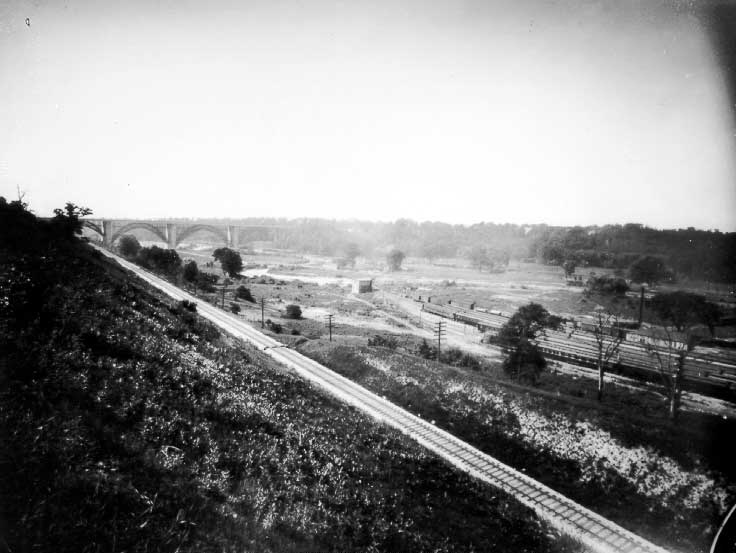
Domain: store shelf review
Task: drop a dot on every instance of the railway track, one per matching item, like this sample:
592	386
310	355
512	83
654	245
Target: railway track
705	368
597	533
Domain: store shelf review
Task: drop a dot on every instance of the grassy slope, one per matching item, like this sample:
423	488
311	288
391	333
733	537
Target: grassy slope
650	478
129	425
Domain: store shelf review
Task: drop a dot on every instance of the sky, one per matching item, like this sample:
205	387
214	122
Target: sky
566	112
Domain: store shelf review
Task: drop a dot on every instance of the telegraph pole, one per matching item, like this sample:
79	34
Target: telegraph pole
328	318
263	303
439	332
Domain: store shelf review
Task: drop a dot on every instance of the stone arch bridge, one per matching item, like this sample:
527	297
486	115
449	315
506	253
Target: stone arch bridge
174	233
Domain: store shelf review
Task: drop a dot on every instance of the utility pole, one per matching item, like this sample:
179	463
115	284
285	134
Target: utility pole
329	324
263	304
641	305
439	332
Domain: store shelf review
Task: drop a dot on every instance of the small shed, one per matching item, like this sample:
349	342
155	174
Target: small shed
363	285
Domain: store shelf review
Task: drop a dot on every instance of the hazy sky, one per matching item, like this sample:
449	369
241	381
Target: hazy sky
565	112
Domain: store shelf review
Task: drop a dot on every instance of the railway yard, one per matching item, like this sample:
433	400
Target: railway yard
706	368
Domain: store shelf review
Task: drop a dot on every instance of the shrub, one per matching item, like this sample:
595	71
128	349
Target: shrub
295	332
383	341
458	358
426	351
160	260
606	284
243	293
293	312
206	282
234	307
188	305
191	272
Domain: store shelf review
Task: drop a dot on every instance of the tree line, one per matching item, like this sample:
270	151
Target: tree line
687	253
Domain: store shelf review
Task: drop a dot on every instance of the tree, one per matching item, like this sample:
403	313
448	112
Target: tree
681	309
607	284
478	257
191	273
129	246
523	360
67	222
230	261
243	293
160	260
293	311
394	259
352	251
679	312
569	266
608	338
648	269
206	282
671	364
231	264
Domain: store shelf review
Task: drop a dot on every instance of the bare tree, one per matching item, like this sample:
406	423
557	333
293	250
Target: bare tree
671	364
608	338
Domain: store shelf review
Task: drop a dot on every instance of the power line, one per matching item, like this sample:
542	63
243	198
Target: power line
440	330
328	318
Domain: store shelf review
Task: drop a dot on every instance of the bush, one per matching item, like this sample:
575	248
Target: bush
129	246
160	260
276	328
606	284
234	308
293	312
458	358
383	341
295	332
188	305
243	293
426	351
206	282
191	272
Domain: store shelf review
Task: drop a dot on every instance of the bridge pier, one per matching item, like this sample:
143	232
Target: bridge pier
171	235
232	237
106	233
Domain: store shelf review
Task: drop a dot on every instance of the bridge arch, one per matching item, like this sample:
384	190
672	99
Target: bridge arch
139	225
95	227
184	232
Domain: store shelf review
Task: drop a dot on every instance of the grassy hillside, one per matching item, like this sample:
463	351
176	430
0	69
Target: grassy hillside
129	424
671	485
